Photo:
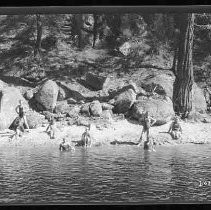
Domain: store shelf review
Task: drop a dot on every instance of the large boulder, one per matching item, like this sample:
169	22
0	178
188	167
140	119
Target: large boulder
61	94
47	95
96	109
159	108
2	85
74	111
34	119
78	92
62	107
159	81
85	109
116	85
107	114
106	106
124	101
96	82
9	99
29	94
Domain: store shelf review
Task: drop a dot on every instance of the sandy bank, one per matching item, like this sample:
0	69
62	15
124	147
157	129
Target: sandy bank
121	131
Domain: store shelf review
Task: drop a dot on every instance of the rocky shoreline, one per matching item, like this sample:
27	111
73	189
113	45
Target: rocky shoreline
121	132
114	105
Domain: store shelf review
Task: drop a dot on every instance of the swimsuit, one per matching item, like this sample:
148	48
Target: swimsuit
21	113
146	124
175	127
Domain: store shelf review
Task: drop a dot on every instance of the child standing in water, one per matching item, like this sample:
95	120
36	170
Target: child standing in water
148	122
51	128
86	138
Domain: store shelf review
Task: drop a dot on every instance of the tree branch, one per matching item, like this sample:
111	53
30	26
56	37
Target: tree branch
204	27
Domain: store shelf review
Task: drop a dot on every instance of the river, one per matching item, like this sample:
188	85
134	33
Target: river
116	173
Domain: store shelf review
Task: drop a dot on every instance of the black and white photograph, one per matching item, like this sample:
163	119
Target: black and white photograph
105	106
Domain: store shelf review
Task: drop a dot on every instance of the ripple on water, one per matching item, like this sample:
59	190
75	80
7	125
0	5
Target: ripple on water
100	174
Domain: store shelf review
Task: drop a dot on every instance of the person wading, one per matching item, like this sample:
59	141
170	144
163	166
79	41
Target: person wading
51	127
65	146
86	138
147	123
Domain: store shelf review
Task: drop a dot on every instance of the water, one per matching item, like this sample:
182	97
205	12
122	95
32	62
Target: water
105	174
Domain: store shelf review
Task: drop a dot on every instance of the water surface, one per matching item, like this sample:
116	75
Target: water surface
116	173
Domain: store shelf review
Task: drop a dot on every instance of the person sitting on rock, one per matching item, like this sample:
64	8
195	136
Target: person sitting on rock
18	127
86	138
51	127
21	112
148	122
175	129
65	146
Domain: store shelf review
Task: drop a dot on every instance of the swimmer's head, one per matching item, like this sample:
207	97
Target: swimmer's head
20	102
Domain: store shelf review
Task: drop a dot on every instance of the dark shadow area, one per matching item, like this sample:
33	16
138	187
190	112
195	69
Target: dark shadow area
78	143
116	142
17	81
83	82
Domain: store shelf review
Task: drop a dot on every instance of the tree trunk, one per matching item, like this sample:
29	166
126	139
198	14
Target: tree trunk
79	23
95	30
39	36
176	49
174	66
182	93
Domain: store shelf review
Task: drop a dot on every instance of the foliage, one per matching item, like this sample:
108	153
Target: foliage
152	37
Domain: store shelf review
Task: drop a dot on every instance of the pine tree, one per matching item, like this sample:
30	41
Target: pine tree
182	93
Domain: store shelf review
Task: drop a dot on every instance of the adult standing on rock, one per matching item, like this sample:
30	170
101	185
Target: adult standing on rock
22	114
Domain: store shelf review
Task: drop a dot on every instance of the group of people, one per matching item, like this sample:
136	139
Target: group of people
85	141
175	131
20	123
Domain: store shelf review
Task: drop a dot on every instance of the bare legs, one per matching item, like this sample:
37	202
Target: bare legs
149	143
51	130
25	122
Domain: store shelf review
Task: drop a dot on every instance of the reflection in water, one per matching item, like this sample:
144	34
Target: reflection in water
104	174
